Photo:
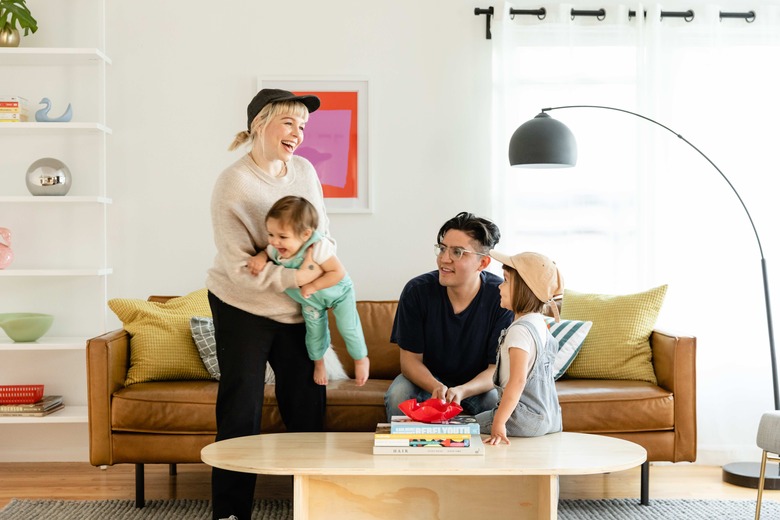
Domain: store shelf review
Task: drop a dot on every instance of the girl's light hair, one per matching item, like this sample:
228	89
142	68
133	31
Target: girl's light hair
271	110
295	212
523	300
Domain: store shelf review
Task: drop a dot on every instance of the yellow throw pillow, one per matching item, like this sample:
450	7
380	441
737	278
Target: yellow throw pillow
161	345
618	344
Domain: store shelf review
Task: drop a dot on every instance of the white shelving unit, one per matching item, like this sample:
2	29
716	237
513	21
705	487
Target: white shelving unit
60	242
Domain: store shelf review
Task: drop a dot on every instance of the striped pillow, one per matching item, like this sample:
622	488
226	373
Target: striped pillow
570	335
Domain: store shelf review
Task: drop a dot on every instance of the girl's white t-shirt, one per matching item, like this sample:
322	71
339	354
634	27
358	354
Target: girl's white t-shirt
520	337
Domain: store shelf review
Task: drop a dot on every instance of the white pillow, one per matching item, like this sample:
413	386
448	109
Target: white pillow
570	335
203	334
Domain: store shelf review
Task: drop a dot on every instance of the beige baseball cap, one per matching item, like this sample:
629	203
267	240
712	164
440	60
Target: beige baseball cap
537	271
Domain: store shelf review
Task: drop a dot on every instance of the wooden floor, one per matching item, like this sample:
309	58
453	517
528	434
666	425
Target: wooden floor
80	481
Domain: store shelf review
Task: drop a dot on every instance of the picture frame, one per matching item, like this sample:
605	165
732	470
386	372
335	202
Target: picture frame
336	138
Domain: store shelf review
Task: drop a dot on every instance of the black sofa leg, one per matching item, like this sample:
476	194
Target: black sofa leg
172	470
644	493
139	486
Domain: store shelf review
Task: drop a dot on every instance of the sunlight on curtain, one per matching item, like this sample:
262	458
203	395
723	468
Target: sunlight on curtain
642	208
587	217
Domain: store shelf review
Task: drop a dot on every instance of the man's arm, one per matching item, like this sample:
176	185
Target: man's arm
414	370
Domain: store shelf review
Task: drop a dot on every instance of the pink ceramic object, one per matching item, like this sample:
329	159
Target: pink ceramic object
6	255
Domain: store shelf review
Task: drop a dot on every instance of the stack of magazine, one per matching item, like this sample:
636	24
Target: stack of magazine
403	436
48	404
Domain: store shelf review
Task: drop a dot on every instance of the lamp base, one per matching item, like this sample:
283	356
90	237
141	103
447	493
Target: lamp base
747	474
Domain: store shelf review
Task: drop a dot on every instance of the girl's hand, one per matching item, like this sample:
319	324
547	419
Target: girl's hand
256	263
498	434
307	290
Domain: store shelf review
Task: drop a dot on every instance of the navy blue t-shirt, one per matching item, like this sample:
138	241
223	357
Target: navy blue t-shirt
455	347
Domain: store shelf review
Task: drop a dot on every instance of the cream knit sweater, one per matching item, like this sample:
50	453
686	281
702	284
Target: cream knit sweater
242	196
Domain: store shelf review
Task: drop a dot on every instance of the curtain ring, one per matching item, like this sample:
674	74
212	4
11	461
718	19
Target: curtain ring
600	14
540	13
689	15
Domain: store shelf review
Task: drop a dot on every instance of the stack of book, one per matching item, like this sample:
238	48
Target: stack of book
403	436
14	109
48	404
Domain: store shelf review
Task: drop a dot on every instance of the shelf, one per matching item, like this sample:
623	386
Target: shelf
56	272
42	56
42	199
68	414
45	343
55	127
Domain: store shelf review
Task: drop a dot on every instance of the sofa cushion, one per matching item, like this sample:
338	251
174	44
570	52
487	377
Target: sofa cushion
187	407
161	346
613	406
165	407
618	344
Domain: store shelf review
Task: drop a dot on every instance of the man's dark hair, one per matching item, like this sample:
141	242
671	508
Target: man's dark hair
480	229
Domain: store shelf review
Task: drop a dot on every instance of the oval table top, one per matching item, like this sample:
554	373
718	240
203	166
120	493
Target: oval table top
347	453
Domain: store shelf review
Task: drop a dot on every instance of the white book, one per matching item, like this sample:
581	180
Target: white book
476	447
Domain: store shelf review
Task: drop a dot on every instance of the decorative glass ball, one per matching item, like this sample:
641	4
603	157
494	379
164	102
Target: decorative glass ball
48	176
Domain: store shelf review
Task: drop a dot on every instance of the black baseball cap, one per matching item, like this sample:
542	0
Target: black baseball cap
273	95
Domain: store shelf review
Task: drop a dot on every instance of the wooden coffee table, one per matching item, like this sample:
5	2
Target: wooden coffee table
336	476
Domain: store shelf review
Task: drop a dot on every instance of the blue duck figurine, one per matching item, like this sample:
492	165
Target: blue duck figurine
42	115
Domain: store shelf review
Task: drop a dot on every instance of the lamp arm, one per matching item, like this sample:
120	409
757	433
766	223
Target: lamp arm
752	224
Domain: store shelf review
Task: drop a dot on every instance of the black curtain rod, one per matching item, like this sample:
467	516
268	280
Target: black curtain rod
600	14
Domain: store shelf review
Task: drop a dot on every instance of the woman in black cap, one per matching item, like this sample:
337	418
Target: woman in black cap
254	320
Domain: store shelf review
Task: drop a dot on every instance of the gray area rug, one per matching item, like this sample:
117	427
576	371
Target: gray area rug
615	509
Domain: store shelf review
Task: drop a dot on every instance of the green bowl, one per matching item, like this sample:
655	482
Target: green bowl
25	326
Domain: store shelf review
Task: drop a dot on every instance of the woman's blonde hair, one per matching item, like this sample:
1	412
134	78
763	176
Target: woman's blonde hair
271	110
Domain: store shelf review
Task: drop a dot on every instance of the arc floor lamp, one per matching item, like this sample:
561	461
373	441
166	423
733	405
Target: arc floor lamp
544	142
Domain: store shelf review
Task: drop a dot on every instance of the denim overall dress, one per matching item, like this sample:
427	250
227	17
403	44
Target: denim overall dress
538	412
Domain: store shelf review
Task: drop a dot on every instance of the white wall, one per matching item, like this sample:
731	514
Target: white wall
178	92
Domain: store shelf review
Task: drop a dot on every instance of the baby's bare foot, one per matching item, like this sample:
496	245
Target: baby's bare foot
320	374
361	371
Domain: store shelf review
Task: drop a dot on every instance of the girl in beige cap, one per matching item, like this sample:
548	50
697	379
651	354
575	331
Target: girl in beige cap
528	403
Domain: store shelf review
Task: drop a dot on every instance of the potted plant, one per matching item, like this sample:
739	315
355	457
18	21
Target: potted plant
15	15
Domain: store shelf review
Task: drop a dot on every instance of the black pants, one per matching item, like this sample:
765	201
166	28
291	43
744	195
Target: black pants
244	343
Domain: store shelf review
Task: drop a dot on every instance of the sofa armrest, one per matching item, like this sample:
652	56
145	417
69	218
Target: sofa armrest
674	361
108	359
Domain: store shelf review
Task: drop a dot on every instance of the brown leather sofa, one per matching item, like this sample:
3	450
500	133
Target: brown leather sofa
169	422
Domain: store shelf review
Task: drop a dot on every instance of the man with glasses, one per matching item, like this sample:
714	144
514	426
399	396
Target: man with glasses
448	322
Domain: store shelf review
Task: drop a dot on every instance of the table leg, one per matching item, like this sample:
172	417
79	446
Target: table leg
301	497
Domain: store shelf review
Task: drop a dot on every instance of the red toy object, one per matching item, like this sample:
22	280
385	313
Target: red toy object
430	411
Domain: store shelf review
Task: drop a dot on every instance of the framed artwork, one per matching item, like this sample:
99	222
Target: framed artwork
335	139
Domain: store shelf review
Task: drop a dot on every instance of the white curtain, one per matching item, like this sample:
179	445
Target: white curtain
642	208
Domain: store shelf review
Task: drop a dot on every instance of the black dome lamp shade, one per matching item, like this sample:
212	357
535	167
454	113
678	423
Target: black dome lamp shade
543	142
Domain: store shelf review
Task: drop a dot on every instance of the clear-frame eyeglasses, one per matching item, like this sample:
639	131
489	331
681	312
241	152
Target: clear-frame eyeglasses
456	253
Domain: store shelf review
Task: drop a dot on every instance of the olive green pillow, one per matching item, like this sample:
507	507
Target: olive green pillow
618	344
161	345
